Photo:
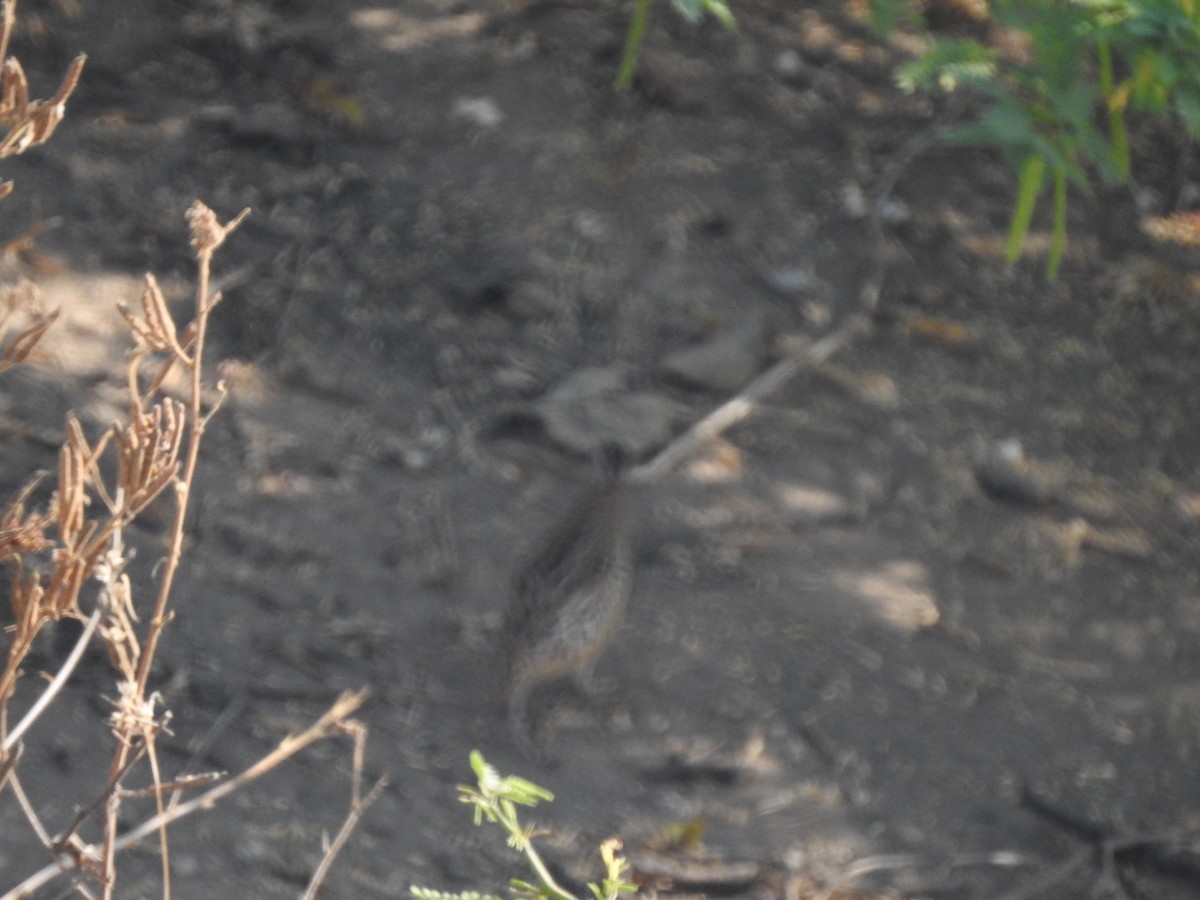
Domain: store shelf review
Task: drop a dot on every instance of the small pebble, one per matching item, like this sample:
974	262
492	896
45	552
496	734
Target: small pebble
481	111
792	280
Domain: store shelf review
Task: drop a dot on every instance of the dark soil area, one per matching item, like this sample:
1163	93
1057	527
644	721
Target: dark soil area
861	625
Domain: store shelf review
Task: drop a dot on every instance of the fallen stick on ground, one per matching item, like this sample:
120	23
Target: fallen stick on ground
738	407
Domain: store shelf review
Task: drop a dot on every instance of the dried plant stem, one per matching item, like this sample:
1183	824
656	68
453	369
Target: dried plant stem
54	552
56	684
892	862
333	722
7	765
737	408
35	821
108	855
358	805
8	21
335	846
163	843
159	331
218	727
158	620
183	485
67	838
148	450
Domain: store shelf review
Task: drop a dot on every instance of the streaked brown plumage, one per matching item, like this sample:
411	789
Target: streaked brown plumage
569	597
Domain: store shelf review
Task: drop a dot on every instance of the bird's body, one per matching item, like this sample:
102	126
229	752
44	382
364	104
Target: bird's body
569	596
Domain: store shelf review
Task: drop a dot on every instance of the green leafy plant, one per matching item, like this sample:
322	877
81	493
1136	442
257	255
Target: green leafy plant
1058	113
429	894
495	799
692	10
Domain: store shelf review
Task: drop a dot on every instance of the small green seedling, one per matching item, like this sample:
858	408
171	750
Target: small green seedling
495	799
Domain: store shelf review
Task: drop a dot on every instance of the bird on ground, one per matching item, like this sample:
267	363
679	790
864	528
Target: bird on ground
570	594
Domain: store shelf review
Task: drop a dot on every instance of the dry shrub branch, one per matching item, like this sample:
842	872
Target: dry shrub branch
36	597
24	124
56	550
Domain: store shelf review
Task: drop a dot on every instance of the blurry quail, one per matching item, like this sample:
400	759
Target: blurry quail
569	597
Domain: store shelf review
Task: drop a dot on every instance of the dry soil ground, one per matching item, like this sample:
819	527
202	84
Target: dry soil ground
839	645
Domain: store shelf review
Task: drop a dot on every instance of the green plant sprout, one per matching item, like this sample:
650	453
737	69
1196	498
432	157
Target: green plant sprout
692	10
495	799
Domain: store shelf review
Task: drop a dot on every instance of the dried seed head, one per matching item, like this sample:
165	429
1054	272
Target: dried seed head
31	123
148	452
22	301
27	594
71	497
67	577
155	328
22	532
207	232
14	93
135	716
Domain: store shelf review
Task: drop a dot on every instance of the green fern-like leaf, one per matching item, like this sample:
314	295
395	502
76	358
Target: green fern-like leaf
947	65
424	893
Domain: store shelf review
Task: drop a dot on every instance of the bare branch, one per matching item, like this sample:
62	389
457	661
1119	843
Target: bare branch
51	691
339	841
331	723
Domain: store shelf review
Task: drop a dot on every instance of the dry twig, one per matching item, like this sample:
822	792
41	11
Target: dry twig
358	806
333	722
335	846
734	410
